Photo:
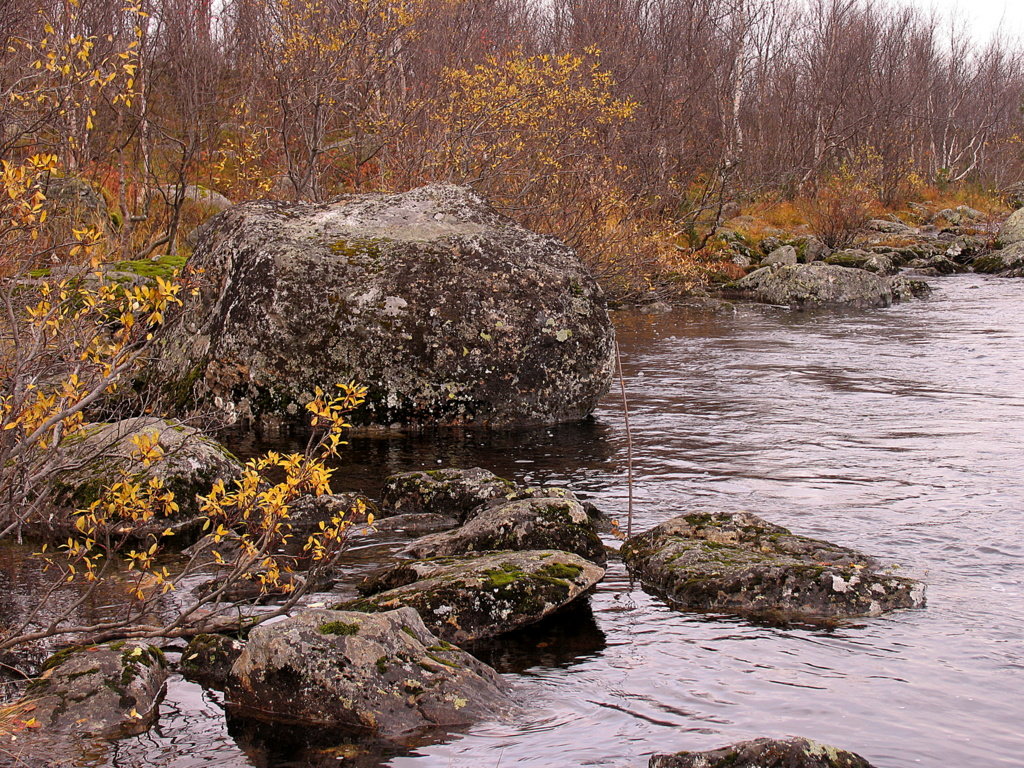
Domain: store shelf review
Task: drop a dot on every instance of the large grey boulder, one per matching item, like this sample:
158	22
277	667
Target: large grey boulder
383	672
793	752
557	521
475	596
823	285
450	312
106	691
739	563
100	454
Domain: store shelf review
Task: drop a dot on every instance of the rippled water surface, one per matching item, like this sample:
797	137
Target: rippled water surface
899	432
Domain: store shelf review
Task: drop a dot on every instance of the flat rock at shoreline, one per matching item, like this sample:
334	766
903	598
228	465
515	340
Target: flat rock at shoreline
475	596
739	563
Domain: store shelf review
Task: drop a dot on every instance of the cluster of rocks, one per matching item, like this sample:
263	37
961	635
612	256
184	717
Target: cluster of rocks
503	556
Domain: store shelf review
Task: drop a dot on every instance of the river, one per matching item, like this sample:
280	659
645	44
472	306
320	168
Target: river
899	432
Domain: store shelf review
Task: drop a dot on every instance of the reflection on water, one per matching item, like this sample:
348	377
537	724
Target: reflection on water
897	431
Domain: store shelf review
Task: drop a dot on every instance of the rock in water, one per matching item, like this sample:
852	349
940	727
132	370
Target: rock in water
739	563
450	492
450	312
475	596
765	753
104	453
1006	262
823	285
554	522
208	659
107	691
383	673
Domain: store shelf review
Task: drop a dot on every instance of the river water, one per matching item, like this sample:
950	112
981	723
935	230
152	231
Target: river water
899	432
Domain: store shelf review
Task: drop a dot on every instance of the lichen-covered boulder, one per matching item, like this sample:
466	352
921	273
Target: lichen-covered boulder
105	691
1004	262
383	672
208	659
475	596
739	563
794	752
549	522
90	460
1012	230
449	492
824	285
450	312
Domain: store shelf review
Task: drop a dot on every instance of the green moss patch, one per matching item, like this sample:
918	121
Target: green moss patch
339	628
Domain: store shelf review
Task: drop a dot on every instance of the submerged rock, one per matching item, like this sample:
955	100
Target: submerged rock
556	522
452	313
821	285
102	454
739	563
794	752
106	691
382	673
475	596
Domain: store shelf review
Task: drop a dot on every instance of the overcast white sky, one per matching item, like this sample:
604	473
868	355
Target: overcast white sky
983	17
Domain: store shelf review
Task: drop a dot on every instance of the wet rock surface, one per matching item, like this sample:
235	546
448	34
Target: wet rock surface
739	563
453	314
384	674
467	598
558	522
823	285
793	752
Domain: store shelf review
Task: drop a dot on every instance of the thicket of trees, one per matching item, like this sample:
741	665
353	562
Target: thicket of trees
621	125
